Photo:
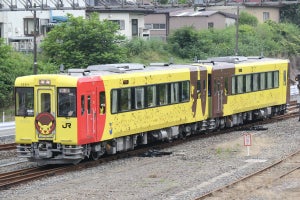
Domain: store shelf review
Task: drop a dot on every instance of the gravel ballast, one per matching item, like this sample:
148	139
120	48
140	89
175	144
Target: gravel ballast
192	169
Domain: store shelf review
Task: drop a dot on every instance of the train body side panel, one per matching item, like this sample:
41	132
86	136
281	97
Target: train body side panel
90	120
25	130
238	103
138	121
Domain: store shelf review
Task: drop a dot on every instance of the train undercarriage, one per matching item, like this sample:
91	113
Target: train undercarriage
47	152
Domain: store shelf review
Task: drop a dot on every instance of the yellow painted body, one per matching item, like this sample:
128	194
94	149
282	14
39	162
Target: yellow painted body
260	99
25	126
139	121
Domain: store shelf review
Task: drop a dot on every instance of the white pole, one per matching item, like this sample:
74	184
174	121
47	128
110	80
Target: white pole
248	150
3	117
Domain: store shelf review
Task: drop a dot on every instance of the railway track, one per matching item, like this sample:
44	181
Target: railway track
10	146
258	180
20	176
16	177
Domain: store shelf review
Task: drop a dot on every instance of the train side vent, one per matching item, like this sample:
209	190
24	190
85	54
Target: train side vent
117	67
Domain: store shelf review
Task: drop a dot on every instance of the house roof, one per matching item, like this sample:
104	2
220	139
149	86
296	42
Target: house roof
200	13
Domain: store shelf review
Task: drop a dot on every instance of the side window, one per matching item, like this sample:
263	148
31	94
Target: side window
198	86
240	84
255	82
209	85
226	86
270	80
139	98
174	92
114	101
151	96
276	79
163	94
233	85
185	91
125	99
82	104
248	83
89	104
102	102
262	81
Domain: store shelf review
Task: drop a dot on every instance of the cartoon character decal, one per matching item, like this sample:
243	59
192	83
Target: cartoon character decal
45	123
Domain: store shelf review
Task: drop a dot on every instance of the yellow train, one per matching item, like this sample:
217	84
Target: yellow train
86	113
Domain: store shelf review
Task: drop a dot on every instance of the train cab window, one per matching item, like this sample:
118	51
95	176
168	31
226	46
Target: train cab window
270	80
125	99
262	81
276	79
163	94
46	102
240	84
248	83
102	103
24	101
255	82
66	102
151	96
185	91
174	92
82	104
139	98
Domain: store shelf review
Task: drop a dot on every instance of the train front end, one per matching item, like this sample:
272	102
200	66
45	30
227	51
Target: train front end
46	119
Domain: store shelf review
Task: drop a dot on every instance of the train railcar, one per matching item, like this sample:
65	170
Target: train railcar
245	89
86	113
106	109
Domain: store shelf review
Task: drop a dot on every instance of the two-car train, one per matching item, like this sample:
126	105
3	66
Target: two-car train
104	109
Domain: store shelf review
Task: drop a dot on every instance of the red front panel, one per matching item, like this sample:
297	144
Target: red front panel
91	118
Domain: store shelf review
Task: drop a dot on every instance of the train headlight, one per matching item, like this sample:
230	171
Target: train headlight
44	82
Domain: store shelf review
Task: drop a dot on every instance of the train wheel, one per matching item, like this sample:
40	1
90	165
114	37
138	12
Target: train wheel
95	155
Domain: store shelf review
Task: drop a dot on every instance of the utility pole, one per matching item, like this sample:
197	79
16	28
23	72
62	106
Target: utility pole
34	41
237	32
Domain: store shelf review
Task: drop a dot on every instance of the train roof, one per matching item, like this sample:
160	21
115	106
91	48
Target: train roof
232	61
214	63
121	68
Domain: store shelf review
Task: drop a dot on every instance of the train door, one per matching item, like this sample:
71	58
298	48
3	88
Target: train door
45	123
45	101
90	115
217	93
101	112
220	90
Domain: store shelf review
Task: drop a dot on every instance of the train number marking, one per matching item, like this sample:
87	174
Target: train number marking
67	125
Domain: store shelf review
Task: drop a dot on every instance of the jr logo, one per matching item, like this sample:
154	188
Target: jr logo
67	125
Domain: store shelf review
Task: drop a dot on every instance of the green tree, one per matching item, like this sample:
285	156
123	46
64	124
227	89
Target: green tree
247	19
184	42
290	14
12	65
80	42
